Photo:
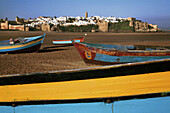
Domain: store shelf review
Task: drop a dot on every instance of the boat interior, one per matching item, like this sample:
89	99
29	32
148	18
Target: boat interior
16	41
127	47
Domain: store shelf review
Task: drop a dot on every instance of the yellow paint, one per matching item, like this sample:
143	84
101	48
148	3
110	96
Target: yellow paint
91	88
17	46
88	55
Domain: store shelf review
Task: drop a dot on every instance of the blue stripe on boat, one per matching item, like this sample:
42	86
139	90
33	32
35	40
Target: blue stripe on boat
32	38
64	42
124	59
148	105
77	41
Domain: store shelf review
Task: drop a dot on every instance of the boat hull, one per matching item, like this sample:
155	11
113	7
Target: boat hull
67	42
131	80
143	105
105	56
30	46
34	48
120	86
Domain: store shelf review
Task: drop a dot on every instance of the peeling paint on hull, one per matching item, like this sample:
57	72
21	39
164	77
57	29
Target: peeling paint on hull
114	54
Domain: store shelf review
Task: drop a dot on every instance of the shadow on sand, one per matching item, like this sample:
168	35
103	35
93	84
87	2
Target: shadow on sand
57	46
45	49
52	48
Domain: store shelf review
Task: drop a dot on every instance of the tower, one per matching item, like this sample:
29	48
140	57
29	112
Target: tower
17	19
86	14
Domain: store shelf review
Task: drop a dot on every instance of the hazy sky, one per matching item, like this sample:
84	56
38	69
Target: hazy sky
147	10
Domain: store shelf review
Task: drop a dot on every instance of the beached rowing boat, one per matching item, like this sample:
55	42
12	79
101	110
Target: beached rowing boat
24	44
68	42
115	54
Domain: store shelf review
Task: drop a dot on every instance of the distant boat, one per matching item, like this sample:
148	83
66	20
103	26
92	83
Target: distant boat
117	54
24	44
68	42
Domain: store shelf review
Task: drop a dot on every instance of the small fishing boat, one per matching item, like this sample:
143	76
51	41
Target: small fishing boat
117	54
68	42
22	44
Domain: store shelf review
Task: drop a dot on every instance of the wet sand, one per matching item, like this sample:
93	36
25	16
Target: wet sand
53	57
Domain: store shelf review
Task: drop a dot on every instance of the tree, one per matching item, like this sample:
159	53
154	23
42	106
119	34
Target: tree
75	28
120	27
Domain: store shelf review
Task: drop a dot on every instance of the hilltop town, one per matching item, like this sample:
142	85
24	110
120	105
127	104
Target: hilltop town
79	24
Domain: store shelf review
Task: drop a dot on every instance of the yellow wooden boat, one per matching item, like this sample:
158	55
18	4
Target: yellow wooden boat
115	86
91	88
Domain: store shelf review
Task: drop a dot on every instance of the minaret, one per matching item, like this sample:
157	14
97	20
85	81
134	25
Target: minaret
86	14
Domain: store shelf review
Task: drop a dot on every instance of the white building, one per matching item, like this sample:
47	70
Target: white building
63	20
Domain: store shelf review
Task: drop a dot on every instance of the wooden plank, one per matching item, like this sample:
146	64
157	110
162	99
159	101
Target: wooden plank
90	88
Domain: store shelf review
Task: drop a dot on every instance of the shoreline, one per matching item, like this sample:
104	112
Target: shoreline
96	33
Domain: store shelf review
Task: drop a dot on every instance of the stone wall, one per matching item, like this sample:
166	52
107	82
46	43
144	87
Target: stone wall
27	29
19	27
20	20
45	27
103	26
6	25
140	26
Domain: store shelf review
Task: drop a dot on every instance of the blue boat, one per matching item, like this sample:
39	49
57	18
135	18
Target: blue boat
22	45
68	42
